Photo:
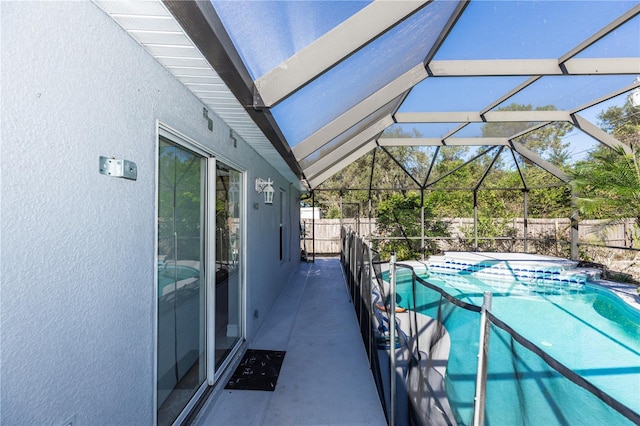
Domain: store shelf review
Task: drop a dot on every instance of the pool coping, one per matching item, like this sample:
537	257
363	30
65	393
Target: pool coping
627	292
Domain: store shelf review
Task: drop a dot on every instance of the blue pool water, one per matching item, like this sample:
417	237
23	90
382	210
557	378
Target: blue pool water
585	327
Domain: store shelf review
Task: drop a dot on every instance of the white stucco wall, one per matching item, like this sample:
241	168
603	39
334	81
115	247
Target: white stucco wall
77	290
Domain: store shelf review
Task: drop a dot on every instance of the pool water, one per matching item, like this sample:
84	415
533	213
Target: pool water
585	327
170	274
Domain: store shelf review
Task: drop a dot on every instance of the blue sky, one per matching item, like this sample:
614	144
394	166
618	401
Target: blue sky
268	32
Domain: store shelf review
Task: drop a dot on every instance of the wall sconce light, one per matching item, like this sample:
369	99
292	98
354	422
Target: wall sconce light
265	187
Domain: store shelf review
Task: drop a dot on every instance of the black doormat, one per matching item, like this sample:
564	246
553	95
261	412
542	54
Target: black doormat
258	370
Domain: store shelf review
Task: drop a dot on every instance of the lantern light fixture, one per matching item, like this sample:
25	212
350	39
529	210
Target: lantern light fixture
265	187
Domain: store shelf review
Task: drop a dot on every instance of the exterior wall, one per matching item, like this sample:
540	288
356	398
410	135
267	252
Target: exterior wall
77	301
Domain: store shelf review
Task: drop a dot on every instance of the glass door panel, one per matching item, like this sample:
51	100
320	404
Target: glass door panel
228	260
181	278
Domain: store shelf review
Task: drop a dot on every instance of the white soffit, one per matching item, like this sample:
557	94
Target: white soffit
150	24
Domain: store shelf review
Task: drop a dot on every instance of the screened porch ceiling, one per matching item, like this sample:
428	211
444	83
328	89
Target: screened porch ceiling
315	85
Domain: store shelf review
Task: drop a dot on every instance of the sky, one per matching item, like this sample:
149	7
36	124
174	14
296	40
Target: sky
266	33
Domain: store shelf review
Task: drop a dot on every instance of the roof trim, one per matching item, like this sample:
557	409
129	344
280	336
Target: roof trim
202	24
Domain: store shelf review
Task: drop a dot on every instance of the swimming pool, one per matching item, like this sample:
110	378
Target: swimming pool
583	326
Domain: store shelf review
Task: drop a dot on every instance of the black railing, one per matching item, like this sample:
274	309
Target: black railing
438	381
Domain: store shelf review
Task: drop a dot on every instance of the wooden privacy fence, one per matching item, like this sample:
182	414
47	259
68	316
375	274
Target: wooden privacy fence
623	234
327	232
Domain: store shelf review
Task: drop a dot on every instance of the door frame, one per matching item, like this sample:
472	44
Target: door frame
212	374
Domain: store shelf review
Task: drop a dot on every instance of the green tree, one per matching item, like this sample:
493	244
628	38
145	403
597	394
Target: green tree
623	122
179	203
546	141
607	183
399	217
352	183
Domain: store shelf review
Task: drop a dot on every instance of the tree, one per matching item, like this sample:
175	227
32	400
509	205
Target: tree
399	217
179	203
358	175
607	183
546	141
623	122
402	169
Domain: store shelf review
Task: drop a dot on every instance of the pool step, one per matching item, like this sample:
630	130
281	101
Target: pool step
511	266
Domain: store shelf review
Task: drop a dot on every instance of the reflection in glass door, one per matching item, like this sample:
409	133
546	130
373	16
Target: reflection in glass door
181	279
228	261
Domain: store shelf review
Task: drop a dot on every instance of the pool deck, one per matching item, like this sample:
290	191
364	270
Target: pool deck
325	377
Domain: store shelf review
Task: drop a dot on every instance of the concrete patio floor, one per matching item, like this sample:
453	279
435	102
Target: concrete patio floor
325	377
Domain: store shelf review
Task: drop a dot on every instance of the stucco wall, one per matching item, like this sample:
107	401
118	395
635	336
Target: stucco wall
77	248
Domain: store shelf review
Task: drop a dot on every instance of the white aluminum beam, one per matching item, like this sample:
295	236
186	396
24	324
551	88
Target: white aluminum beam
526	116
612	26
607	97
388	93
598	134
605	66
511	93
529	130
539	161
354	130
438	117
446	142
410	142
476	141
452	132
494	67
332	48
317	180
533	67
446	30
337	154
477	117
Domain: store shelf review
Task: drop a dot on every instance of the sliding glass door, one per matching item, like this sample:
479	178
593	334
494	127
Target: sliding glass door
228	260
181	278
199	270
